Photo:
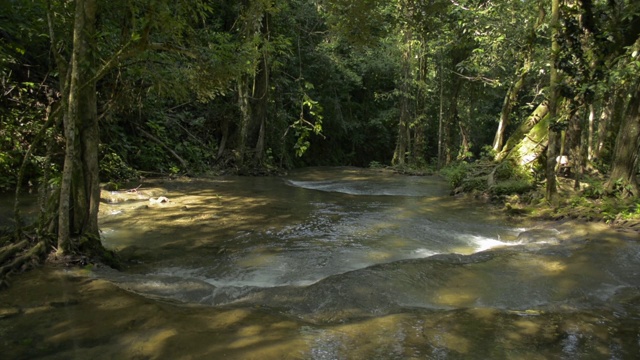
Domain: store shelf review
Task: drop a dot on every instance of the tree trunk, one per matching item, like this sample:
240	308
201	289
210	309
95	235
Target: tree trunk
259	103
538	114
507	106
592	117
402	144
245	119
603	125
512	94
452	123
418	145
531	146
225	136
465	144
582	159
571	146
441	117
79	190
611	125
551	190
625	155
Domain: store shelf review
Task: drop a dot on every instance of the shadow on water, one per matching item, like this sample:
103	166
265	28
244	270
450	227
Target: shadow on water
331	264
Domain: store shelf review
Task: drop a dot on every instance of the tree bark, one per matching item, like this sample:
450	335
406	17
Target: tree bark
507	106
402	144
536	117
465	144
531	146
603	126
441	116
592	117
79	190
551	190
625	156
223	141
259	104
245	119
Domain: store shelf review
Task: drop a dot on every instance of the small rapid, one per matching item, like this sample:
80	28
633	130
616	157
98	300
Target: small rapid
335	246
364	221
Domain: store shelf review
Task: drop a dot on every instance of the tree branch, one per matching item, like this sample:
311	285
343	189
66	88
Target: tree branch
184	164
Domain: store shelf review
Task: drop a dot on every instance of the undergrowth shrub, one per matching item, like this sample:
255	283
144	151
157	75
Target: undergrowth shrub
114	168
455	173
512	186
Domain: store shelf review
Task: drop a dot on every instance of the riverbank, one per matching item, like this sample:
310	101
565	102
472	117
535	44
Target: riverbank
517	194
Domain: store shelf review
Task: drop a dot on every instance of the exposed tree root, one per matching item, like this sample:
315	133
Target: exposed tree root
8	251
33	255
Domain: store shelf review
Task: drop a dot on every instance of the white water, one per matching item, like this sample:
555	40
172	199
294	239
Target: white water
358	223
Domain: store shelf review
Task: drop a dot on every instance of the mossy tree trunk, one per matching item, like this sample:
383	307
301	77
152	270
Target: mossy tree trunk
522	131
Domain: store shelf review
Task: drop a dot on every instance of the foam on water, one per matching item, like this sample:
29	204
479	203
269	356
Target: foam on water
355	187
482	243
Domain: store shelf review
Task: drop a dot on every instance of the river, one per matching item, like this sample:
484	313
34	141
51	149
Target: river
342	263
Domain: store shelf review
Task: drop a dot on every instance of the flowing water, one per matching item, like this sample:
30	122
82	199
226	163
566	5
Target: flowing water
345	263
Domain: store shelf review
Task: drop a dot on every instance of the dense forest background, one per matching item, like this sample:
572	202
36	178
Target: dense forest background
96	91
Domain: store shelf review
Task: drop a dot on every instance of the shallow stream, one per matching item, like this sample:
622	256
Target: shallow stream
344	263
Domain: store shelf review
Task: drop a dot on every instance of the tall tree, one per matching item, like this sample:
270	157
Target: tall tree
79	187
524	67
625	154
554	95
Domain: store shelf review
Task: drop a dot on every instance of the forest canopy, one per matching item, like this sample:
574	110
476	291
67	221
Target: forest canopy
107	91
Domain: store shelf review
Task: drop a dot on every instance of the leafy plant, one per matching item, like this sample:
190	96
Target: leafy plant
375	165
113	168
488	153
514	186
455	173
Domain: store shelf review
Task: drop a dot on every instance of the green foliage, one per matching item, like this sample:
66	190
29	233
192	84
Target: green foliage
594	189
302	127
455	173
488	153
508	170
114	169
7	166
631	212
512	186
375	165
476	183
